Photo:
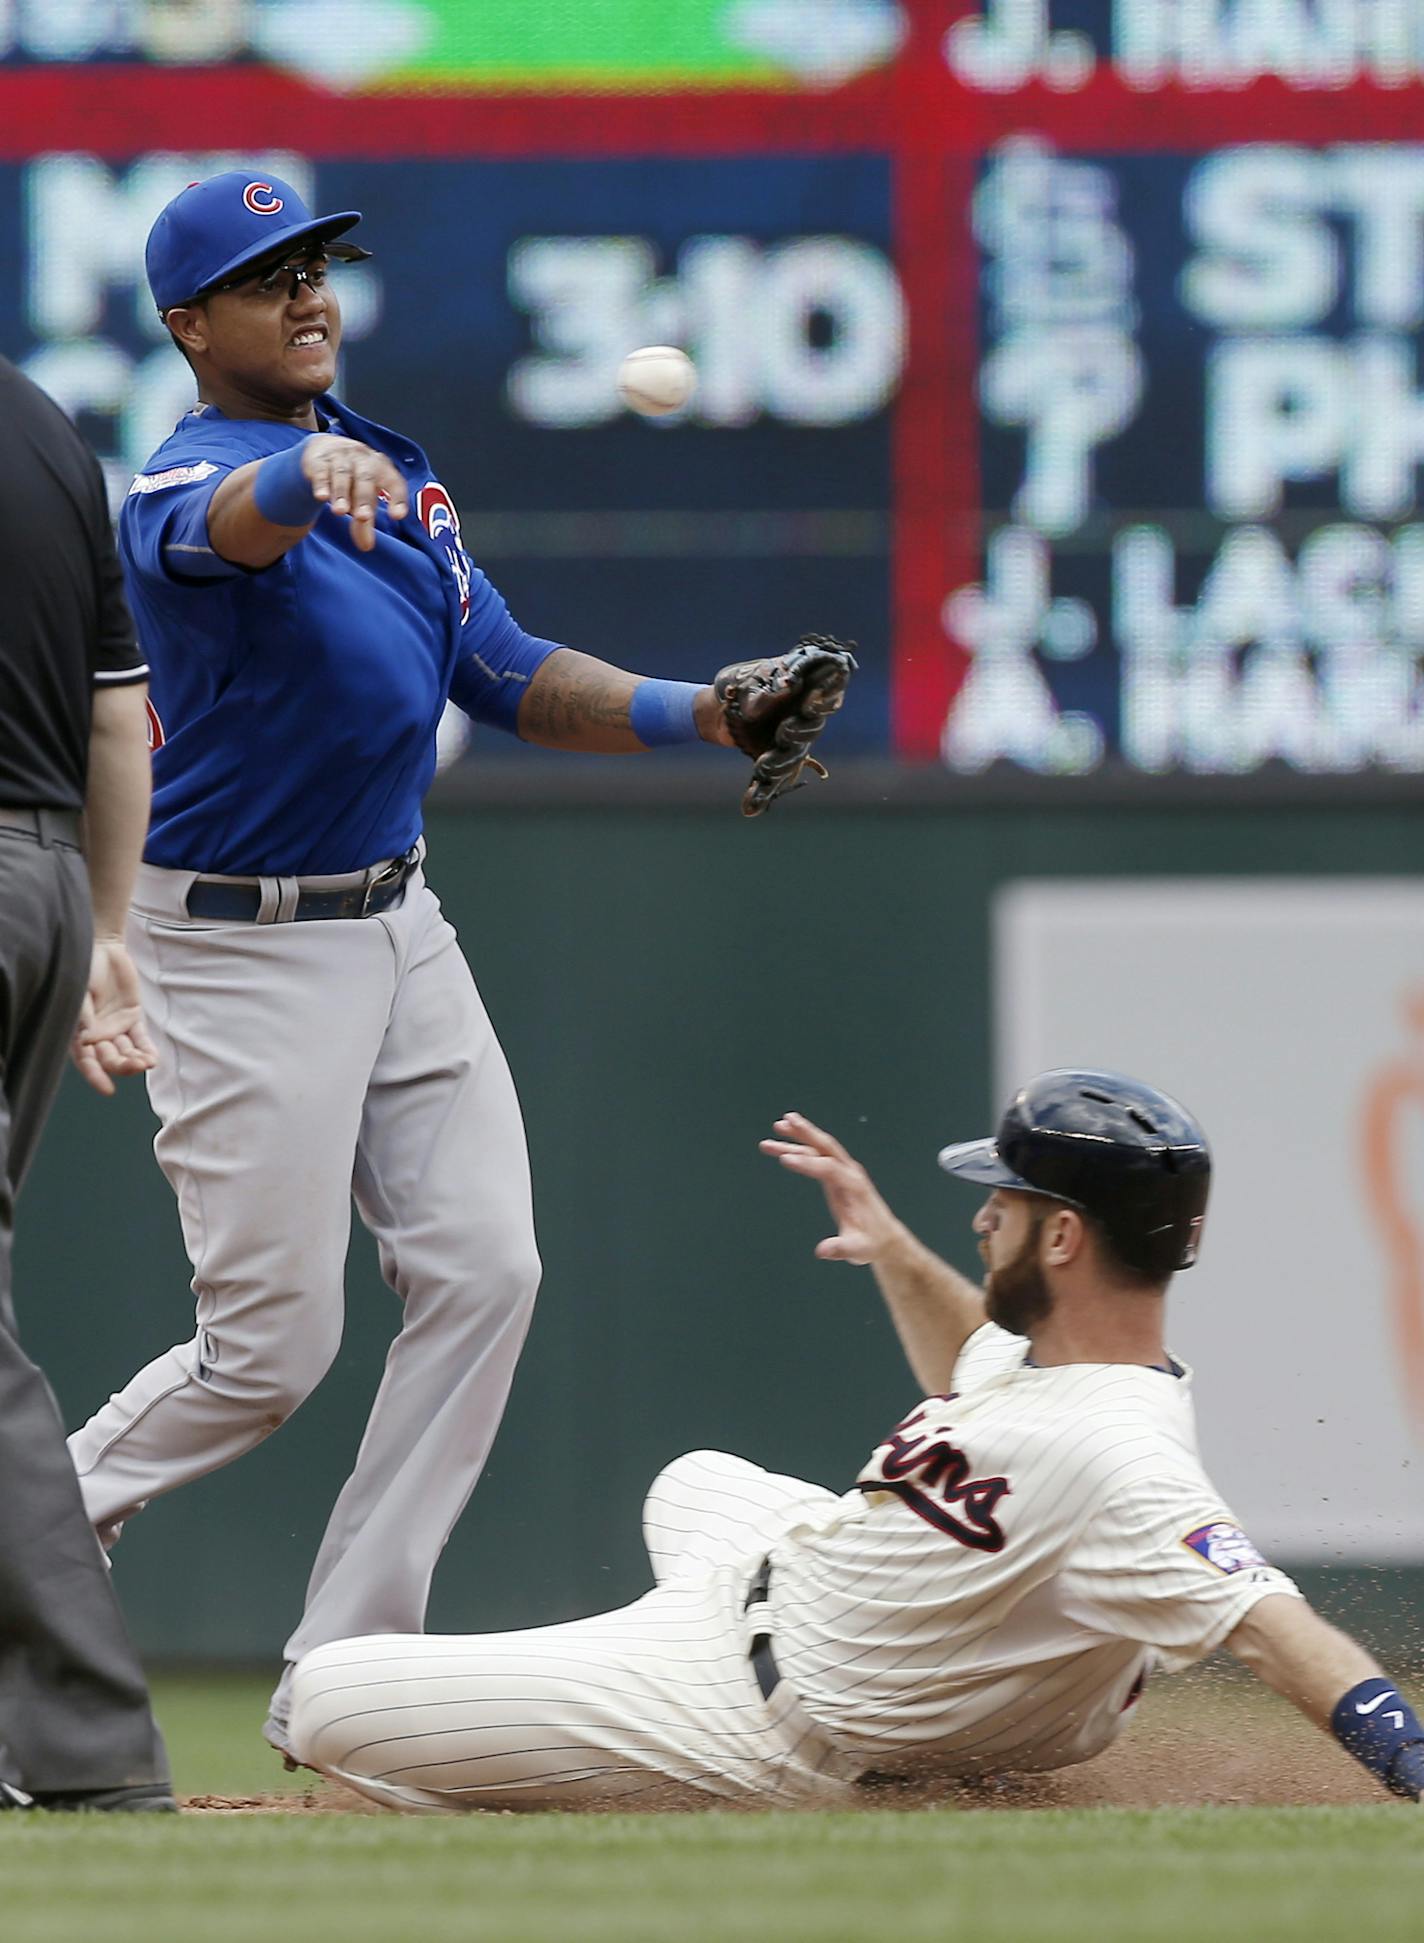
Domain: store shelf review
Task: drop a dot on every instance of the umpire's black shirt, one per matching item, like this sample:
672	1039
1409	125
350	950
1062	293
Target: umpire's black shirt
64	623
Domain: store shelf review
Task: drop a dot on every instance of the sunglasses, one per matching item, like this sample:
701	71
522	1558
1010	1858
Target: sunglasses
311	269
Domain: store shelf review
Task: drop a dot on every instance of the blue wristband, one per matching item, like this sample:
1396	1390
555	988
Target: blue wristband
661	712
1376	1724
281	491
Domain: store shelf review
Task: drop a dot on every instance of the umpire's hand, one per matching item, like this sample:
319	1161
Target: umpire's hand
110	1039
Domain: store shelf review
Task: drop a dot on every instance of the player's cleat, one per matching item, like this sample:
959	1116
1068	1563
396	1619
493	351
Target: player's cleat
12	1797
274	1732
152	1798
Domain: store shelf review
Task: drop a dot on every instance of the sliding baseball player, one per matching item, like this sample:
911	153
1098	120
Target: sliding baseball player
1012	1562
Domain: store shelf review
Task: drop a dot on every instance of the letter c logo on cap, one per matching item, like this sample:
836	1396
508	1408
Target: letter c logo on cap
260	200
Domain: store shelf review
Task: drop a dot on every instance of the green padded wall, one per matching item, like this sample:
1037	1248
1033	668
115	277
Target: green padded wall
662	992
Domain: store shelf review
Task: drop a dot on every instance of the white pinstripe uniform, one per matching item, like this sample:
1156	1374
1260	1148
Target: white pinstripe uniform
1013	1561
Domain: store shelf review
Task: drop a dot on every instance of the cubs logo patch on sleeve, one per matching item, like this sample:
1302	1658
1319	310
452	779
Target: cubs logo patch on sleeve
1225	1546
436	512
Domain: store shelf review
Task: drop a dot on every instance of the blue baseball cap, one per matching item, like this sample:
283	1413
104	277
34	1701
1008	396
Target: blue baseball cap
214	227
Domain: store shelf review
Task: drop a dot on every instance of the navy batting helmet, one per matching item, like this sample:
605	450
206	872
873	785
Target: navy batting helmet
1130	1157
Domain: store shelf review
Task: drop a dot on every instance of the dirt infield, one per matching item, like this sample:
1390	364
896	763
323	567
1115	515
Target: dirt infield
1211	1736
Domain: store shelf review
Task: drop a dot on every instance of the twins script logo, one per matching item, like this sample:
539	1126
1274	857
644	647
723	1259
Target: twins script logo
436	512
261	199
919	1464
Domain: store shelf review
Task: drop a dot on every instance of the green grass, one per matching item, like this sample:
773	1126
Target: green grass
1247	1875
1115	1876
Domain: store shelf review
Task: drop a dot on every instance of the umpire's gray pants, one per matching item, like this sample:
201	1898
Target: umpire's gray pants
74	1711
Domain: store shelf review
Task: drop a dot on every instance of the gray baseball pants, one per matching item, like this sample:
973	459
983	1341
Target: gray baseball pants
301	1064
74	1711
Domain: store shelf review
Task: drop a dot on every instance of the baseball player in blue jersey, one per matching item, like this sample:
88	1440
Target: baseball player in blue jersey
307	608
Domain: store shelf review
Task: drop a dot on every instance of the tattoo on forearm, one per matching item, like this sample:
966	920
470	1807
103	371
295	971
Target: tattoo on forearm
573	694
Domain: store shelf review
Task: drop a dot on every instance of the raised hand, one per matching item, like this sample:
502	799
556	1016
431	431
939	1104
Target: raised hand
866	1228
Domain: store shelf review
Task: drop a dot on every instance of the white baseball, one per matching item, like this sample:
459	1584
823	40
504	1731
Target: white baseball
656	380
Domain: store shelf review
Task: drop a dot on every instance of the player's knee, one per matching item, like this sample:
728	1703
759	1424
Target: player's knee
680	1478
501	1294
516	1271
271	1379
285	1391
300	1376
525	1272
693	1467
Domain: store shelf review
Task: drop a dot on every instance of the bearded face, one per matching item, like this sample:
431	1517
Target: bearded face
1016	1295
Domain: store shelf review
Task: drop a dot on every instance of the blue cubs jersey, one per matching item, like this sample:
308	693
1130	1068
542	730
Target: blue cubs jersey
294	709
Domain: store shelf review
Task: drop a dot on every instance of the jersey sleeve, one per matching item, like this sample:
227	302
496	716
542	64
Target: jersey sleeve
163	526
1163	1563
117	659
497	660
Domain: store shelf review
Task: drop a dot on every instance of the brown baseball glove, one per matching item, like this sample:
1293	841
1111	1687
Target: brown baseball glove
775	709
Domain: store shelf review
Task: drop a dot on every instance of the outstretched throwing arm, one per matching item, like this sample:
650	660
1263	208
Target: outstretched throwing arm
262	509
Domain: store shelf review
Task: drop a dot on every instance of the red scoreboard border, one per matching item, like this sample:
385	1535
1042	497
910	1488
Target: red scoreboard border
931	127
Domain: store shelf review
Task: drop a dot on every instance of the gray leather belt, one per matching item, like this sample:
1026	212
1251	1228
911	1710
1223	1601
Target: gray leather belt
768	1674
238	903
45	826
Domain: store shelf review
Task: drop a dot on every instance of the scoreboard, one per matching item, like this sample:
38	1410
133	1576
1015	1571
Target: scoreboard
1063	352
1201	425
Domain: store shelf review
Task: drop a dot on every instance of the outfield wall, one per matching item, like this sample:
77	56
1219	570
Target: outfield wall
664	984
